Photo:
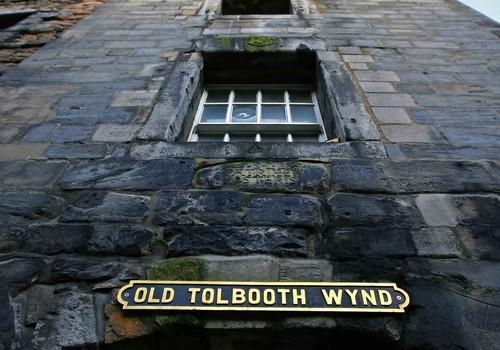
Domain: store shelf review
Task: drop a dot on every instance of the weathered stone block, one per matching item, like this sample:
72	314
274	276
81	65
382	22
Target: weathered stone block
74	326
19	206
107	206
20	272
222	240
30	174
480	242
139	98
354	243
129	240
265	176
39	303
365	210
130	175
56	238
76	151
390	100
437	209
246	268
437	242
411	176
391	115
284	211
199	207
71	269
411	133
305	270
115	133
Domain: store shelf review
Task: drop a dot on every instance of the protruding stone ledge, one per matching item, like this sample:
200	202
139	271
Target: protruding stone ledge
266	176
313	151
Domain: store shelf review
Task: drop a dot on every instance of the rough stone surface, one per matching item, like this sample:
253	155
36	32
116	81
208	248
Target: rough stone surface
199	207
18	207
352	209
236	241
149	175
107	206
284	210
69	269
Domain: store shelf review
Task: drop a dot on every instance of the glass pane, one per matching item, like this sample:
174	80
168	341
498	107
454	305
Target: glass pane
273	96
273	114
210	137
300	96
273	137
242	138
218	95
214	113
305	137
244	114
245	95
303	114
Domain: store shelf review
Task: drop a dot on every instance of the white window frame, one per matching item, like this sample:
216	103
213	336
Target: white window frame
257	127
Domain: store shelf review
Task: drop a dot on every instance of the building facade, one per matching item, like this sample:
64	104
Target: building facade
302	140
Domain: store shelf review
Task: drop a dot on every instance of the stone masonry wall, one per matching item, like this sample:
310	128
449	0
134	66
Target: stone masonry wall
94	193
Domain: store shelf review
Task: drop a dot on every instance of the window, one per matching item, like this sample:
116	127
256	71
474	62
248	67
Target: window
264	113
256	7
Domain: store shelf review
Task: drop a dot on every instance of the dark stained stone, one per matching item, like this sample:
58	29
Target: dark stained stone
411	177
12	238
447	152
68	269
129	240
353	243
30	173
107	206
129	175
20	272
7	331
17	206
365	210
477	210
56	238
223	240
480	241
285	211
199	207
266	176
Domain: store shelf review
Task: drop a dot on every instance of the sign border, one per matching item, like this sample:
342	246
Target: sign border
131	283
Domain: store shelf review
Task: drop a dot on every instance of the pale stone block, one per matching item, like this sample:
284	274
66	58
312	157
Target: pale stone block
437	209
115	133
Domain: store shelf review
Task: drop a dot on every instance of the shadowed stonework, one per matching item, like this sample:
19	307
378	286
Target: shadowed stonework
97	187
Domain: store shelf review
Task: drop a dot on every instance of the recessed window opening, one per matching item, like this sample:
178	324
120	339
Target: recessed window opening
258	113
256	7
259	97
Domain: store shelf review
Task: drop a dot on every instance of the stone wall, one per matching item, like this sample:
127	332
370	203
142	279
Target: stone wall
95	191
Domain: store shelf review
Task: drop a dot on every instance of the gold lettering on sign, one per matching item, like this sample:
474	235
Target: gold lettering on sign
352	294
368	297
193	292
207	296
140	295
269	297
263	174
238	296
332	296
253	296
296	297
167	296
283	292
385	297
220	300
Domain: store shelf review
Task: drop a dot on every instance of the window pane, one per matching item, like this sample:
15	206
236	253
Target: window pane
218	95
273	114
273	137
210	137
213	114
245	95
273	96
305	137
303	114
244	114
300	96
242	138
